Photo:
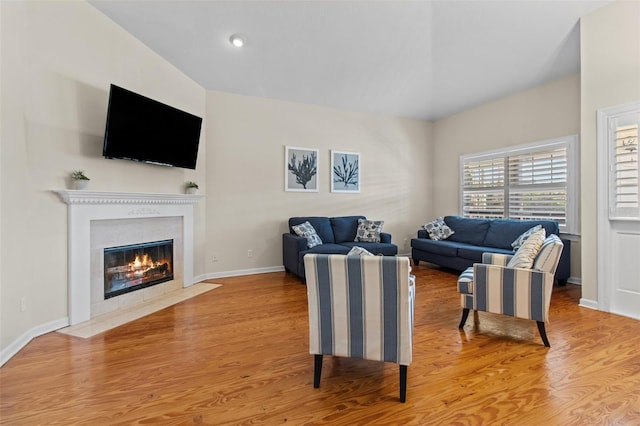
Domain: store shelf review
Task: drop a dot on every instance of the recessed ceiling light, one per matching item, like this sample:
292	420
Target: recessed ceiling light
237	40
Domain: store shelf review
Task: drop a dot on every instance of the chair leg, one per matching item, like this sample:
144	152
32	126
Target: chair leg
543	333
403	383
317	370
465	314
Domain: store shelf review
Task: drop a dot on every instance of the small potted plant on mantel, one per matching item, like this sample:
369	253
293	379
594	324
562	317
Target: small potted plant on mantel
191	187
80	180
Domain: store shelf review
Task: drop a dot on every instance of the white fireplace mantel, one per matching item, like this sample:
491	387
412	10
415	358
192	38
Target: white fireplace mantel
87	206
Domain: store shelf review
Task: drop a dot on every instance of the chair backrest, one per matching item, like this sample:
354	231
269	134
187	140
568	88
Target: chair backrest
360	306
549	254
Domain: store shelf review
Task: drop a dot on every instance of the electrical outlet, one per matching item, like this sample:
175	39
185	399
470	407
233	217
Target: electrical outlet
214	259
249	253
23	303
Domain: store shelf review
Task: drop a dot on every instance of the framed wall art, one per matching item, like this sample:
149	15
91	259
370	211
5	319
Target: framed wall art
345	171
301	169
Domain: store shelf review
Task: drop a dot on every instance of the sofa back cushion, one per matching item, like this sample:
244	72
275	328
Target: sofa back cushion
503	232
467	230
345	228
321	224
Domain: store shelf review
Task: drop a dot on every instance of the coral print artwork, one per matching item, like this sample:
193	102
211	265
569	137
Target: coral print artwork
301	169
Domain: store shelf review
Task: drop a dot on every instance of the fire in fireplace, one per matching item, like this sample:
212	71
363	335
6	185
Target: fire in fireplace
136	266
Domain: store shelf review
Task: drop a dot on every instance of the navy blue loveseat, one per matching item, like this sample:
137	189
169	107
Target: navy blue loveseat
472	237
337	235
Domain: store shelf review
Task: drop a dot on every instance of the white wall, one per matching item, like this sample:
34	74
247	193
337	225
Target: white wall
610	40
247	206
58	59
544	112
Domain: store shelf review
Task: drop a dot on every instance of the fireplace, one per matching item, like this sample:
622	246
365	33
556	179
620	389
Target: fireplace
137	266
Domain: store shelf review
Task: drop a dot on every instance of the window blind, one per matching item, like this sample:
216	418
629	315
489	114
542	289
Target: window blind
532	182
624	179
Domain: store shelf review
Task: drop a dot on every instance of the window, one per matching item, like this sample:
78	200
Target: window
624	200
532	182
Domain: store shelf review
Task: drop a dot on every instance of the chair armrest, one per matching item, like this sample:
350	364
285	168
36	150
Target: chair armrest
518	292
496	258
385	237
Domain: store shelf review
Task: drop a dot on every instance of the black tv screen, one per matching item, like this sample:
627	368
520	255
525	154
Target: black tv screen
142	129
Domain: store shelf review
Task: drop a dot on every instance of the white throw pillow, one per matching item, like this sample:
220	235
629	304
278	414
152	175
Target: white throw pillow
359	251
522	238
307	230
527	253
438	229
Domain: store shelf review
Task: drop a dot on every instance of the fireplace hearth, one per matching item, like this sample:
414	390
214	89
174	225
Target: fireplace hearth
137	266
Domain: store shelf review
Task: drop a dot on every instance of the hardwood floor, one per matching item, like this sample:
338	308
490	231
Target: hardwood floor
239	355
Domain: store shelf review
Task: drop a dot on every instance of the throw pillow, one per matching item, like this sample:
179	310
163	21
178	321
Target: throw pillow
522	238
305	229
527	253
438	229
369	230
359	251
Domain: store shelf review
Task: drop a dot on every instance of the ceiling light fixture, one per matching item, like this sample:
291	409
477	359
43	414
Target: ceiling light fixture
237	40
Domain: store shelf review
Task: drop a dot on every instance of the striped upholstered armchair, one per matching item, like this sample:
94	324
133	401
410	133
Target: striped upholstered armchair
491	286
360	307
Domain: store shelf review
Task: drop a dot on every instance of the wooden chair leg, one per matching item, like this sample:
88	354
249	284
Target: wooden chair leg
465	314
543	333
317	370
403	383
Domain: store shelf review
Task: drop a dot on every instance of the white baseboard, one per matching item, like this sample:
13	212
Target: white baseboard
587	303
240	272
575	280
22	341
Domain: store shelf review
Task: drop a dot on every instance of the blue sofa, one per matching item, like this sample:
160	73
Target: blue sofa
337	235
472	237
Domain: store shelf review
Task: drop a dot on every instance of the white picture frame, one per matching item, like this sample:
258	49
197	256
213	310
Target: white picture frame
345	172
301	169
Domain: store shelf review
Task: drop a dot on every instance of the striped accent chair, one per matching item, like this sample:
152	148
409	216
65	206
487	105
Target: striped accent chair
360	307
491	286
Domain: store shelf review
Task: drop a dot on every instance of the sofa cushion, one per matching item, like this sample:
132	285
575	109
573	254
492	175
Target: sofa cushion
465	281
386	249
369	230
468	230
503	232
474	253
306	230
329	248
444	248
345	228
322	225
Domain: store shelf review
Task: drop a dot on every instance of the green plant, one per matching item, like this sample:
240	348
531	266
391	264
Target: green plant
191	184
79	175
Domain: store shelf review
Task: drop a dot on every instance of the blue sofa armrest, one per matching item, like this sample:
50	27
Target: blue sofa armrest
292	245
385	237
422	233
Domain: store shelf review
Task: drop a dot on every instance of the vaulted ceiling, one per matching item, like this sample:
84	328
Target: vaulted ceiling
414	59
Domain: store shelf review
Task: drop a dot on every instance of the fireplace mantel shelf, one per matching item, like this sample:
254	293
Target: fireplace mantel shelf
99	197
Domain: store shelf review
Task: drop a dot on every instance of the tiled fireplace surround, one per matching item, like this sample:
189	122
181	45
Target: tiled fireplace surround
97	220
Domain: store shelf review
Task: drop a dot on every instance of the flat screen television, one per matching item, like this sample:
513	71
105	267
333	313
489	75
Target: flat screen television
142	129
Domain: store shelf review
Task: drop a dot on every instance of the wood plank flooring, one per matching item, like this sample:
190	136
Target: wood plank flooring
239	355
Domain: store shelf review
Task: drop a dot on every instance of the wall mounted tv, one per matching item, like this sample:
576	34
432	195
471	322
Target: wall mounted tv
142	129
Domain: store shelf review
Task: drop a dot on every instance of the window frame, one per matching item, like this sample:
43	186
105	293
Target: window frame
570	143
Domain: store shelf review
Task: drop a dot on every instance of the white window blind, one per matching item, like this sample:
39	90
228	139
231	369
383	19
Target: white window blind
624	198
483	191
532	182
